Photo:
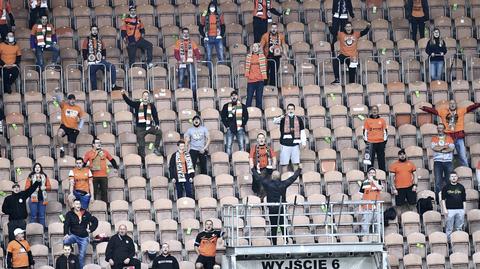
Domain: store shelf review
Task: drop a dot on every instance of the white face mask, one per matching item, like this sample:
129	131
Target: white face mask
11	39
291	114
212	9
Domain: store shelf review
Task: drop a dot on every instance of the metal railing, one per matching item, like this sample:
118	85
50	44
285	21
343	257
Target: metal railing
243	223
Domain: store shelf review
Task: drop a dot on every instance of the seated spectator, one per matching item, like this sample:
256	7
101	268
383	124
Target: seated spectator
453	205
234	117
7	21
19	254
94	53
81	184
274	47
436	50
197	139
165	260
370	190
404	181
10	57
43	38
132	34
67	260
206	246
120	252
256	74
187	54
38	200
182	171
38	8
212	29
262	158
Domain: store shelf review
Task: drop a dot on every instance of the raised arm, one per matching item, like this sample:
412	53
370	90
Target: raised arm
430	110
289	181
471	108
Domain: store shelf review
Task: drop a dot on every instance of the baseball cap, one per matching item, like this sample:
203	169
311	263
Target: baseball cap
18	231
71	96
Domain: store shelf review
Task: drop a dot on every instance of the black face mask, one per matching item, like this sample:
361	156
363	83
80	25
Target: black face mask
196	124
403	160
152	256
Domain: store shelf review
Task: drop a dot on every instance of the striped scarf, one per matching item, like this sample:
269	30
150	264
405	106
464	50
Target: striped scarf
237	112
260	10
44	35
258	148
94	49
262	61
188	57
274	44
296	126
35	198
145	115
181	169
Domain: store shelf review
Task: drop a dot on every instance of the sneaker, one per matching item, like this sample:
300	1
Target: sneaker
157	152
336	82
150	65
62	153
116	88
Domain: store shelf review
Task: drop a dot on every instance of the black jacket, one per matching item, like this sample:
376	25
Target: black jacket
15	205
165	262
409	7
172	168
136	107
72	224
229	121
348	4
436	49
119	248
276	189
70	262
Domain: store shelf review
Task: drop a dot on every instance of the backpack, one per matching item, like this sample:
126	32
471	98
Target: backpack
424	205
388	215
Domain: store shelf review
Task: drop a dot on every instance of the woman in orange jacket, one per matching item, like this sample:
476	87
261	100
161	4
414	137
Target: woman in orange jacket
38	200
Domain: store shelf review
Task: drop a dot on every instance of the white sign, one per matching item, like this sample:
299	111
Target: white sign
312	263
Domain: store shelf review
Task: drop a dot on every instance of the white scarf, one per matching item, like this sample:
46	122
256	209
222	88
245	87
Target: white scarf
181	177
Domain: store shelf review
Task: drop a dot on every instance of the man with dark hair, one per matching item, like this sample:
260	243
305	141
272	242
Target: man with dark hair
234	118
19	255
72	120
67	260
262	157
340	11
10	57
187	54
206	246
132	33
262	15
43	38
120	252
453	205
81	184
197	139
404	180
274	47
182	170
165	260
443	147
375	135
370	189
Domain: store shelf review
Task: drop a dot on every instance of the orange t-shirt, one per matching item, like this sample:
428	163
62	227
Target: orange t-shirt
97	163
19	253
262	155
417	9
455	124
255	73
375	129
132	27
80	178
71	115
9	53
403	173
348	43
370	192
207	243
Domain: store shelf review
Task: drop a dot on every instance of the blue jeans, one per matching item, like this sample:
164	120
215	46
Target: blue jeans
461	151
37	212
84	199
55	55
257	89
182	72
214	42
240	134
82	243
104	66
436	70
184	188
441	172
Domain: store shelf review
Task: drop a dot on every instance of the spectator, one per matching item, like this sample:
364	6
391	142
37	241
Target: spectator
370	190
442	146
256	74
453	205
38	9
187	53
78	225
206	246
120	252
182	171
81	184
348	41
234	118
262	15
197	139
146	116
94	53
417	12
262	158
96	159
15	207
275	188
436	50
10	57
454	118
274	47
165	260
38	200
292	134
43	38
72	120
132	33
67	260
5	28
340	11
404	180
375	135
212	28
19	254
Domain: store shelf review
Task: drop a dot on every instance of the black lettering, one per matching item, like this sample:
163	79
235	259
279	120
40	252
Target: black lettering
289	267
323	264
298	264
306	266
268	265
279	264
335	264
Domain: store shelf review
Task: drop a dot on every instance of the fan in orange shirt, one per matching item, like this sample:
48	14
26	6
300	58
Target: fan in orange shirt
404	180
71	121
375	135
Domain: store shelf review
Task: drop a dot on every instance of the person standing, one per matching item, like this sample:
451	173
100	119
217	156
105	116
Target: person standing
276	190
262	16
417	12
436	50
19	254
146	116
206	246
370	190
81	184
96	160
348	41
256	74
212	29
262	158
442	146
10	57
132	32
187	54
165	260
274	47
7	21
38	200
15	206
120	250
43	38
67	260
453	205
292	134
340	11
72	120
234	117
38	9
375	135
404	180
197	139
182	171
454	119
78	225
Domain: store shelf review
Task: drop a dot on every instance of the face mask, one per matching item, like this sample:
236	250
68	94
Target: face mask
196	124
291	114
212	9
11	39
152	255
94	34
274	31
